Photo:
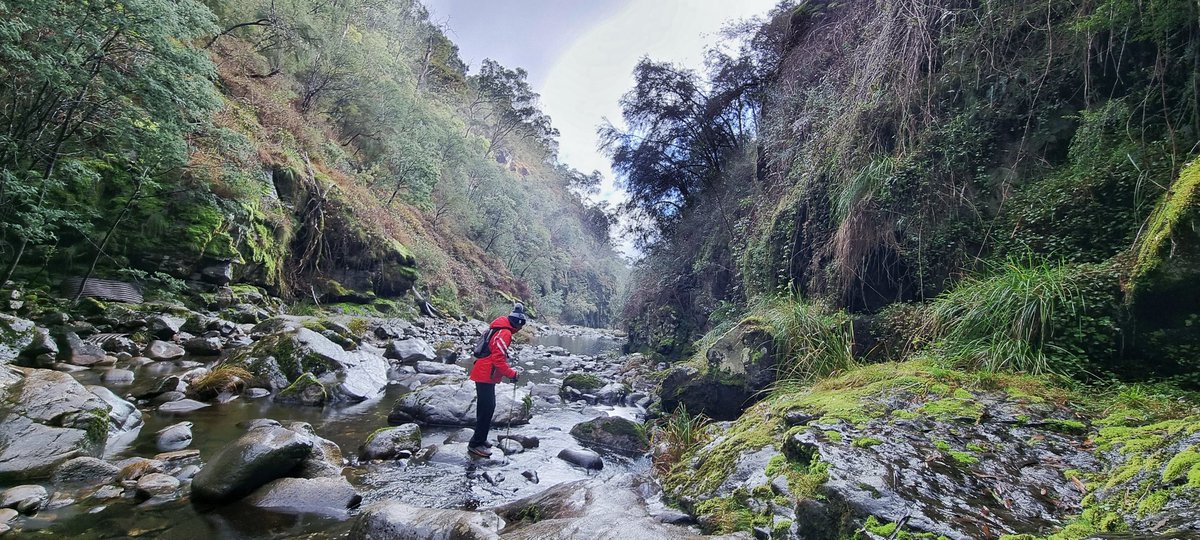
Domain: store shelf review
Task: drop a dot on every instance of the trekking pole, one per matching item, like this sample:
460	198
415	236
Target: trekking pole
512	411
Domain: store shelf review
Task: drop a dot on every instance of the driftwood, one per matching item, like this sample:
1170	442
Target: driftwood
104	289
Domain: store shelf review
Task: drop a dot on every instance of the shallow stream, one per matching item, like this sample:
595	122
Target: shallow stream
449	480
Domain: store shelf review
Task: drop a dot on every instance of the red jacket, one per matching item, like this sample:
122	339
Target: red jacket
495	366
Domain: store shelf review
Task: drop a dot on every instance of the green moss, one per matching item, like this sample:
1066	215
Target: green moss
1179	206
1066	426
781	529
866	442
583	382
755	430
954	409
1153	503
1180	465
883	529
833	435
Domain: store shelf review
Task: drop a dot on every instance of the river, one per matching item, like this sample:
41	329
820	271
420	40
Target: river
449	480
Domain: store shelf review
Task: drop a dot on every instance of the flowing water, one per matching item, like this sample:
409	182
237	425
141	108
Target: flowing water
449	480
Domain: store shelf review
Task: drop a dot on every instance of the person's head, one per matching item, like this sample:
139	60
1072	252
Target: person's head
517	317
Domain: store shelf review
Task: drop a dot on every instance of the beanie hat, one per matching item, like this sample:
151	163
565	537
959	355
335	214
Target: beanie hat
517	317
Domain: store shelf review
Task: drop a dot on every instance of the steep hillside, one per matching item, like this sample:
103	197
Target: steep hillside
329	152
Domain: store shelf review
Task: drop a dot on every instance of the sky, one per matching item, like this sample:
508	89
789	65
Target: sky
580	54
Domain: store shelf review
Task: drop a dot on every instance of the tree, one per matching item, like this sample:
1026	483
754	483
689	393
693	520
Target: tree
503	102
86	83
679	135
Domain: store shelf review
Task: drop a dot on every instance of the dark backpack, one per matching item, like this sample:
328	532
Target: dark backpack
483	348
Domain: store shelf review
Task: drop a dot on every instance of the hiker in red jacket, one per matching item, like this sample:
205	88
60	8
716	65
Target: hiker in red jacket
487	374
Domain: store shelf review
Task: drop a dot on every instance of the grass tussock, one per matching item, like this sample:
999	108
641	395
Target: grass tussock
222	379
676	435
811	340
1006	319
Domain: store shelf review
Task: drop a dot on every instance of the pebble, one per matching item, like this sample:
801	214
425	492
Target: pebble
158	485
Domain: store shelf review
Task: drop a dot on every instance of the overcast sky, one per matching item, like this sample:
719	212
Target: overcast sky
580	54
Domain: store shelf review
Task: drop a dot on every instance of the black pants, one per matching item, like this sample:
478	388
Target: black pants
485	407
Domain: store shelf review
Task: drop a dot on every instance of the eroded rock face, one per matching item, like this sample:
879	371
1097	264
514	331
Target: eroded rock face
47	418
411	351
257	457
78	352
16	336
453	404
391	520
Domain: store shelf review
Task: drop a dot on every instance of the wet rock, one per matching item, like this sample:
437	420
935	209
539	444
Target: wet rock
187	472
532	476
182	406
259	423
612	433
26	499
164	326
162	350
410	351
583	458
306	390
610	508
133	469
16	336
256	393
391	443
453	404
176	455
391	520
292	350
109	492
167	397
84	470
7	515
257	457
510	447
739	366
121	345
46	418
527	441
117	376
494	478
325	460
123	416
158	485
330	496
672	517
174	437
203	346
78	352
220	273
436	368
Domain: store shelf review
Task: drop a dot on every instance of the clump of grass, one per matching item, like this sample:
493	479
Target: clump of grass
1005	320
223	378
676	435
811	340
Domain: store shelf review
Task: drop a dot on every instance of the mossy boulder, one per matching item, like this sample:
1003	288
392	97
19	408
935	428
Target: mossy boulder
391	443
725	377
291	351
37	433
612	433
305	390
583	382
16	335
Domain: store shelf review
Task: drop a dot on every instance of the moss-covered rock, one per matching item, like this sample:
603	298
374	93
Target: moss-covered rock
612	433
726	376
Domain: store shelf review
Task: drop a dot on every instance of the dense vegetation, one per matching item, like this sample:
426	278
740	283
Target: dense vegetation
1006	181
330	151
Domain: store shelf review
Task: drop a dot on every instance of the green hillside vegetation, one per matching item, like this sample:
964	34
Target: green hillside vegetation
336	151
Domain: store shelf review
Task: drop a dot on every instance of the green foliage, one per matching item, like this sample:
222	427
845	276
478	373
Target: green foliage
675	435
1021	316
811	340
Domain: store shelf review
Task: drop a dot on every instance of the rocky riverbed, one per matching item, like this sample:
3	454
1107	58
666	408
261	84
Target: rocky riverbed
158	421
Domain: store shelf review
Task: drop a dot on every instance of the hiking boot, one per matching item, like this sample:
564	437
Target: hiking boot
479	451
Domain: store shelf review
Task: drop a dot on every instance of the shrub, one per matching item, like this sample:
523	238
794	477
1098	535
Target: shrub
811	340
676	435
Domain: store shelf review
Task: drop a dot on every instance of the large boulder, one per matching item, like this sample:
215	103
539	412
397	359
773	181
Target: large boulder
411	351
123	416
163	350
391	443
735	371
612	433
257	457
391	520
75	350
453	404
16	335
329	496
47	418
174	437
291	351
85	470
325	460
